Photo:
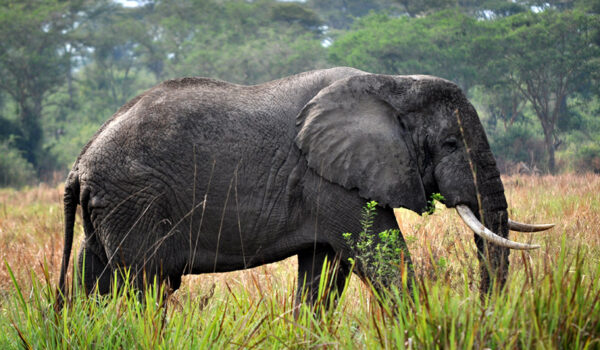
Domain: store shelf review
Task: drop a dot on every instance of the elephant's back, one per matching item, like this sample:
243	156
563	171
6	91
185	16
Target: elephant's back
179	115
199	125
182	132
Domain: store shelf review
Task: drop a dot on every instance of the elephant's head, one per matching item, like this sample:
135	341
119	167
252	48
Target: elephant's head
398	140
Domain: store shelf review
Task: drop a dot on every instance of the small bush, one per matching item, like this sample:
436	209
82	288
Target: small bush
518	144
381	258
588	158
15	171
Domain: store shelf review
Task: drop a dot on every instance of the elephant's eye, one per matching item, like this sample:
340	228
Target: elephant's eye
450	144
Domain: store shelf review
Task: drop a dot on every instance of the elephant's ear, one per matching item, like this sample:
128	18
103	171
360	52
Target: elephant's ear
351	136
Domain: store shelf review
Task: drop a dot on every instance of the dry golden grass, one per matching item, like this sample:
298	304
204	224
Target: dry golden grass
551	299
31	226
442	248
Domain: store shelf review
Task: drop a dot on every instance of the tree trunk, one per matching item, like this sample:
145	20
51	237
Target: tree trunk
549	141
30	112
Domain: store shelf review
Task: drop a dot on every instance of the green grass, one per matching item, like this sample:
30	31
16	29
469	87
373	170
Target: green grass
552	298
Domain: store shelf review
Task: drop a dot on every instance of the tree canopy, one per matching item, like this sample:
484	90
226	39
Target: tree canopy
531	67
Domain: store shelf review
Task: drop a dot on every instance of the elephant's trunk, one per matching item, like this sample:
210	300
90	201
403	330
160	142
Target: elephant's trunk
490	223
493	258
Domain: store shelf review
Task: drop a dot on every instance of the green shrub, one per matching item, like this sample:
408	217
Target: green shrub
587	158
520	144
382	259
15	171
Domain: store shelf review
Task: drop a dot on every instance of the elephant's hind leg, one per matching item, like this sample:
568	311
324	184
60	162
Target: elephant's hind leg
310	267
93	271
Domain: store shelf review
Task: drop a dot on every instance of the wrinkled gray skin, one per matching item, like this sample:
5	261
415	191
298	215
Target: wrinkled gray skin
198	175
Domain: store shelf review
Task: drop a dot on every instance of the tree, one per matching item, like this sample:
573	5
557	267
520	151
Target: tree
437	45
484	9
117	39
33	61
340	14
545	57
239	41
116	55
295	13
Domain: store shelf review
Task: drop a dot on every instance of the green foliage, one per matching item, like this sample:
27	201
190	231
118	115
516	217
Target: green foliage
435	45
117	70
518	143
15	171
295	13
340	14
380	254
33	62
8	129
240	41
435	197
588	158
546	57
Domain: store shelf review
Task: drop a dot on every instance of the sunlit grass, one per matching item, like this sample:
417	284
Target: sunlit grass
551	299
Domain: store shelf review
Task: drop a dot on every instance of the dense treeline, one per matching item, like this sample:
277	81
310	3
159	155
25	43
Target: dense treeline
531	67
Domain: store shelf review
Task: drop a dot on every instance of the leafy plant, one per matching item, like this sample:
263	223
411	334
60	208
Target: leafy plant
15	171
382	254
431	202
587	158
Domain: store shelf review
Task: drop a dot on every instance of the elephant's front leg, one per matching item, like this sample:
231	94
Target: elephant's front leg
310	268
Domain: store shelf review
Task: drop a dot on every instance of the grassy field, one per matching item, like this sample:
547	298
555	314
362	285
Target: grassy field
552	298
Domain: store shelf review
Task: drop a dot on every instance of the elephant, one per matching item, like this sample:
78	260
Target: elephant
197	175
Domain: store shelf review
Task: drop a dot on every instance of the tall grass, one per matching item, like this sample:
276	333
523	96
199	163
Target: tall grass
552	298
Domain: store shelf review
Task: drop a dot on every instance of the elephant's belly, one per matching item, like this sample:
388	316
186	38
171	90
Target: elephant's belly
206	261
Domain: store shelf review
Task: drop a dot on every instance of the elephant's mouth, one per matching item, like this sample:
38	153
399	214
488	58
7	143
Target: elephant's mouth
474	224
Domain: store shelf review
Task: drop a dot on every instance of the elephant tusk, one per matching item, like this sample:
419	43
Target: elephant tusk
520	227
469	218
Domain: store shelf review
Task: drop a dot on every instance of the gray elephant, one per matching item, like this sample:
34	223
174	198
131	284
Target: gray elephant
198	175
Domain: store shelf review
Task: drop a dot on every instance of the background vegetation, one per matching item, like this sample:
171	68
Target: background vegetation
531	67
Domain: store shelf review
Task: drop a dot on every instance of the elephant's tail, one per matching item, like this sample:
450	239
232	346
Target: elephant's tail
71	199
